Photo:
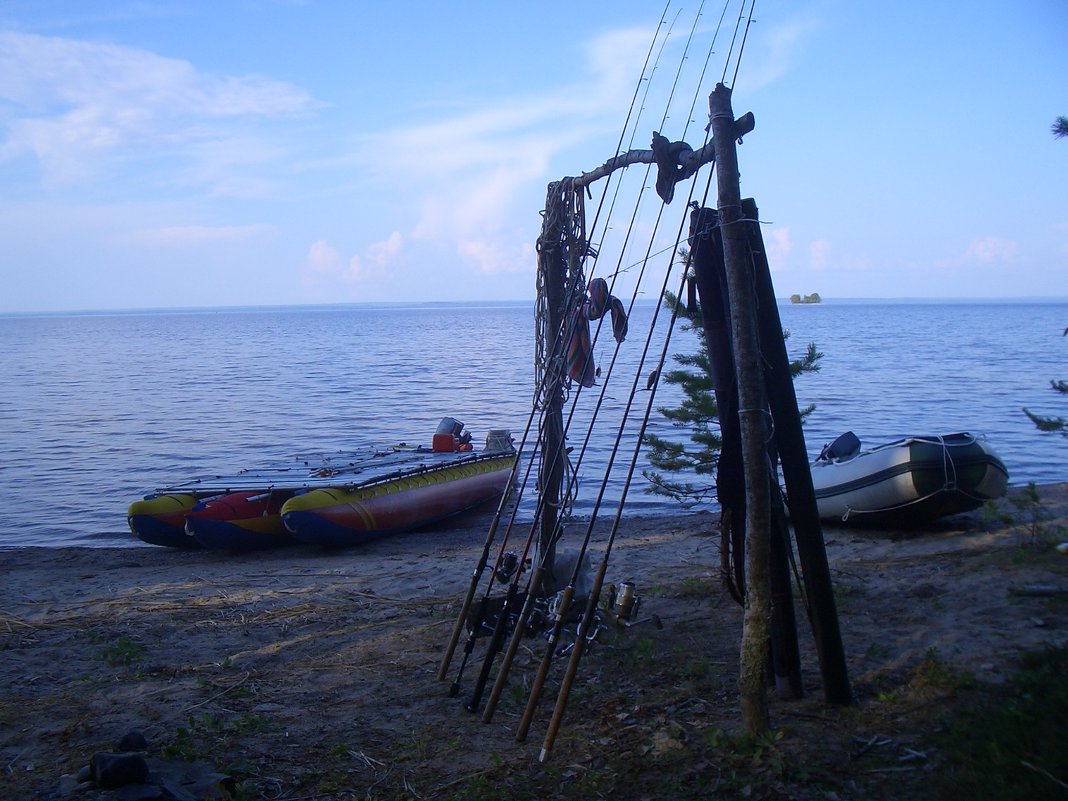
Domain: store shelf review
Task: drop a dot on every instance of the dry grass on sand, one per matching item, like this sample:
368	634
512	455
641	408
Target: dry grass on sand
308	674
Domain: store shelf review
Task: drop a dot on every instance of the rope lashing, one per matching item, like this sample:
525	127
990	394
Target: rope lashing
669	167
580	365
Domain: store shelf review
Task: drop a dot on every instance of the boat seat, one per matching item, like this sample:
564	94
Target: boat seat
844	448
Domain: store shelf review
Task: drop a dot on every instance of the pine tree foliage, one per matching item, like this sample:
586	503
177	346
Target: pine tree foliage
697	419
1043	423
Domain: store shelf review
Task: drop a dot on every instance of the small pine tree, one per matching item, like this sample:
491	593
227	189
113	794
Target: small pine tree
698	416
1052	423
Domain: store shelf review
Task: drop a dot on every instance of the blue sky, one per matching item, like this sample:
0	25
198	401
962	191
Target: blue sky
161	153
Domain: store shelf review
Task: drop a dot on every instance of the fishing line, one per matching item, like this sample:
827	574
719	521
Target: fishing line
734	39
586	621
745	36
566	596
592	601
548	384
634	131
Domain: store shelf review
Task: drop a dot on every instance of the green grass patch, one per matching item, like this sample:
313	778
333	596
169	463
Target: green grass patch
1009	743
122	651
698	587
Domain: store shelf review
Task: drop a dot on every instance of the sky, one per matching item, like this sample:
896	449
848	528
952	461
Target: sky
178	153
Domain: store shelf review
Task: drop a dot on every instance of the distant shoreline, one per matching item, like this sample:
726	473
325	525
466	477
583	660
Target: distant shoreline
508	304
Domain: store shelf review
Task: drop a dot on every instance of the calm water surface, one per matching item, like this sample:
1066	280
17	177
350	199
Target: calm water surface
97	409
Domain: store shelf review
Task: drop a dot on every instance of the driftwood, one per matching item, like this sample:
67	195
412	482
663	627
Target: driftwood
689	160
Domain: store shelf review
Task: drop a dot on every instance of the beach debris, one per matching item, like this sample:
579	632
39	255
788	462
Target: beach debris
109	771
129	775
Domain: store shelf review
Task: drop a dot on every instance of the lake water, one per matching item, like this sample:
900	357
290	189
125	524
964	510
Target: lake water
98	409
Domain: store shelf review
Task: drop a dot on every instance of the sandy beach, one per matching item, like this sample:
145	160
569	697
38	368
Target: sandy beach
310	674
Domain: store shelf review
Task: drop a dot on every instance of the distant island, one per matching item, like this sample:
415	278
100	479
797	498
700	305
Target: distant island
813	298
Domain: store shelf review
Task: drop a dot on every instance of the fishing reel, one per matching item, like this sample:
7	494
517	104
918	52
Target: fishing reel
506	568
573	614
621	602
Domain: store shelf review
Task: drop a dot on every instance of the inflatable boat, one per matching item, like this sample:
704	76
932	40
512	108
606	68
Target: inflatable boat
337	499
907	482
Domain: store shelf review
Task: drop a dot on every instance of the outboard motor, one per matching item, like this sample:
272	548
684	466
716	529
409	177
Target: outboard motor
450	437
499	439
450	425
844	448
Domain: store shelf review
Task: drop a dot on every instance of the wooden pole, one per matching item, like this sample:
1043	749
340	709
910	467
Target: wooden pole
552	262
752	417
785	653
804	515
706	259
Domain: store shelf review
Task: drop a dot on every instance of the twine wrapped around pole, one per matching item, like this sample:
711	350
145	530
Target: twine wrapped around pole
752	417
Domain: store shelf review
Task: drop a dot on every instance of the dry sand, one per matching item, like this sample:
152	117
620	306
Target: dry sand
311	674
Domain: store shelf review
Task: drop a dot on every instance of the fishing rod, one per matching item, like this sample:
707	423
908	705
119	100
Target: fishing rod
483	560
563	600
565	597
545	379
536	578
537	575
562	604
465	608
586	620
534	583
561	336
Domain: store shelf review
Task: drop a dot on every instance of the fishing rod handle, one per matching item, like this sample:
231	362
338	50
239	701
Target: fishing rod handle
561	699
491	650
454	688
513	644
572	664
465	607
457	629
543	669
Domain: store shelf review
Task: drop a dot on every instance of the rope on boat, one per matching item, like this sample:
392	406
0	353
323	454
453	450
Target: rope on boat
949	483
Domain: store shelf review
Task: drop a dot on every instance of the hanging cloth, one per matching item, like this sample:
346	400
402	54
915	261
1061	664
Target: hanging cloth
580	348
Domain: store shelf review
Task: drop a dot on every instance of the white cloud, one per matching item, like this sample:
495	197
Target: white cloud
819	251
324	266
616	58
479	172
376	261
991	249
197	235
71	103
768	57
778	246
494	257
321	264
382	253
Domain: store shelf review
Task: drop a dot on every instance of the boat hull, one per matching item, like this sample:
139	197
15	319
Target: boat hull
240	521
340	516
160	519
909	482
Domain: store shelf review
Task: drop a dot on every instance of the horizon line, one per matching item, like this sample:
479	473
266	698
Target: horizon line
785	300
